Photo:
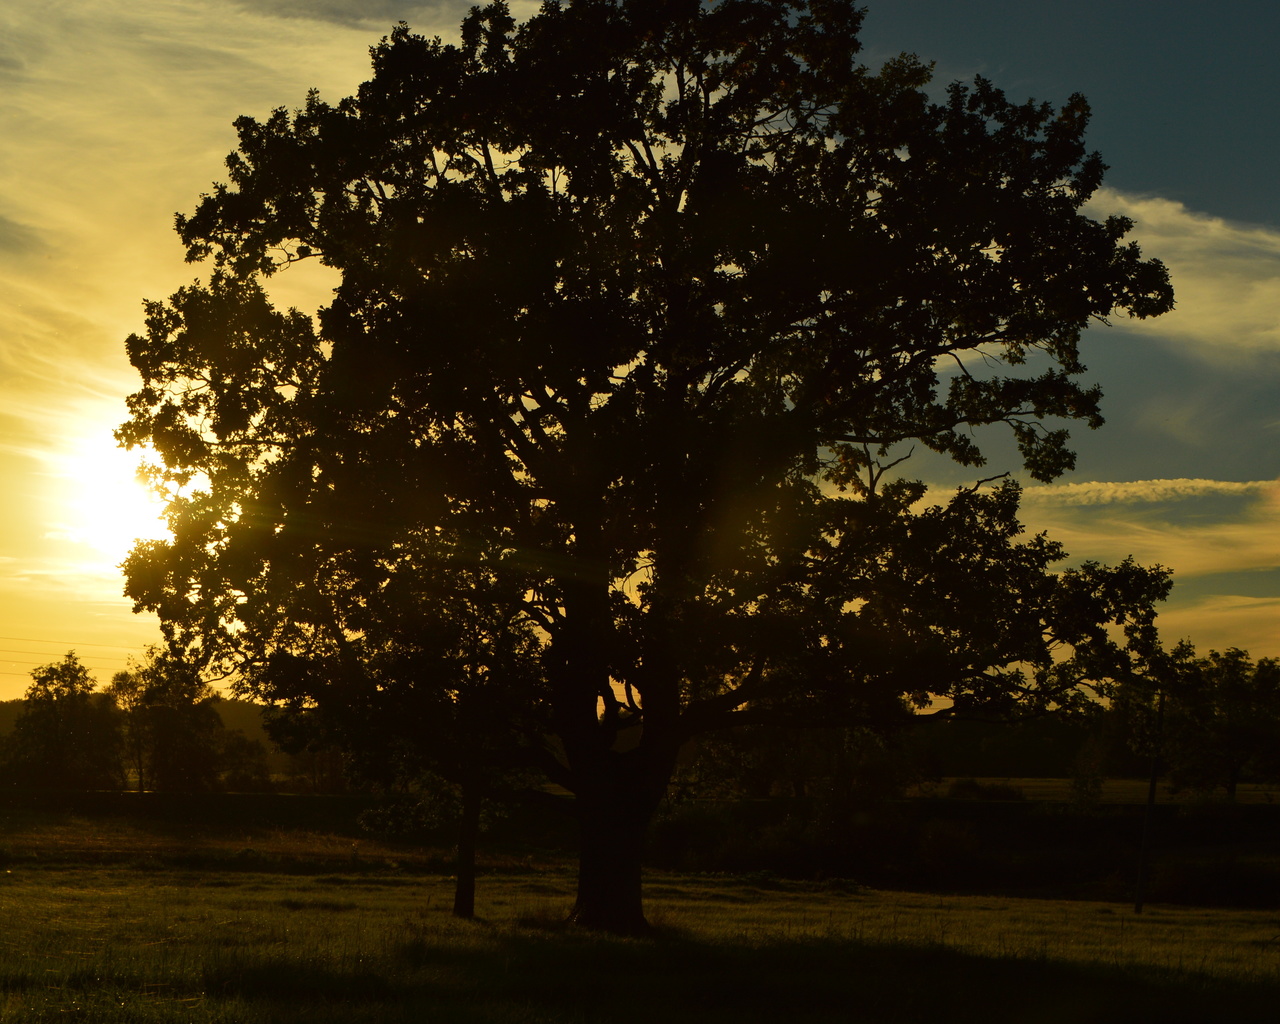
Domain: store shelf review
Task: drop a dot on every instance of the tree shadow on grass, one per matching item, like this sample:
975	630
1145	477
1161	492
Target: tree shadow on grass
573	977
301	983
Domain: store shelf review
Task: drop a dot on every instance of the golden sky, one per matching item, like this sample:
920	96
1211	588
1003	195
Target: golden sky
113	116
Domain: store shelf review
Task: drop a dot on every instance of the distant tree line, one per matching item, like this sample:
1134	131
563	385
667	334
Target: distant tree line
1212	722
154	727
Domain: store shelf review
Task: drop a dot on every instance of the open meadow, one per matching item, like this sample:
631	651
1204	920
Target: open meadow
112	920
1111	791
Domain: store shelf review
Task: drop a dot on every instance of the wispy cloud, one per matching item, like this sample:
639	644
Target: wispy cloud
1135	491
101	145
359	12
1226	276
18	240
377	12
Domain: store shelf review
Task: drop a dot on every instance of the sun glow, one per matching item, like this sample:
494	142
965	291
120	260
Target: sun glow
107	508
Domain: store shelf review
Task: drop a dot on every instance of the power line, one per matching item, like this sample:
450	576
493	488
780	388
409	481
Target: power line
46	654
94	662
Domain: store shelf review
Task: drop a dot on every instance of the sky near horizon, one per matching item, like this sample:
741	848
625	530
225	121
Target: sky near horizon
115	115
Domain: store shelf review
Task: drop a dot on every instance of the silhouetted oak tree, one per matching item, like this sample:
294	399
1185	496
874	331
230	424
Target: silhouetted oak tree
442	686
647	298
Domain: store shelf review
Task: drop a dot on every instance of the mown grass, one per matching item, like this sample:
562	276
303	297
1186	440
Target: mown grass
1114	791
152	944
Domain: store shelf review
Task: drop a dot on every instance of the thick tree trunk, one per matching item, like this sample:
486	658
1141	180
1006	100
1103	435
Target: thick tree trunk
612	843
617	781
464	892
615	801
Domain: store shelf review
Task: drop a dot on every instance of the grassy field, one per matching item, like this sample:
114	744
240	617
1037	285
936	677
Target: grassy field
138	945
1114	791
109	918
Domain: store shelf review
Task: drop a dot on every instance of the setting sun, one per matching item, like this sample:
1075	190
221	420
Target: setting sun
107	507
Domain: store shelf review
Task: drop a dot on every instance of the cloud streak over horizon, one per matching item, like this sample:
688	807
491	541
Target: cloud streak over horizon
1143	519
1136	491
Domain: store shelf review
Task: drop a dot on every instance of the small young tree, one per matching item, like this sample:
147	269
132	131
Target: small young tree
435	680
